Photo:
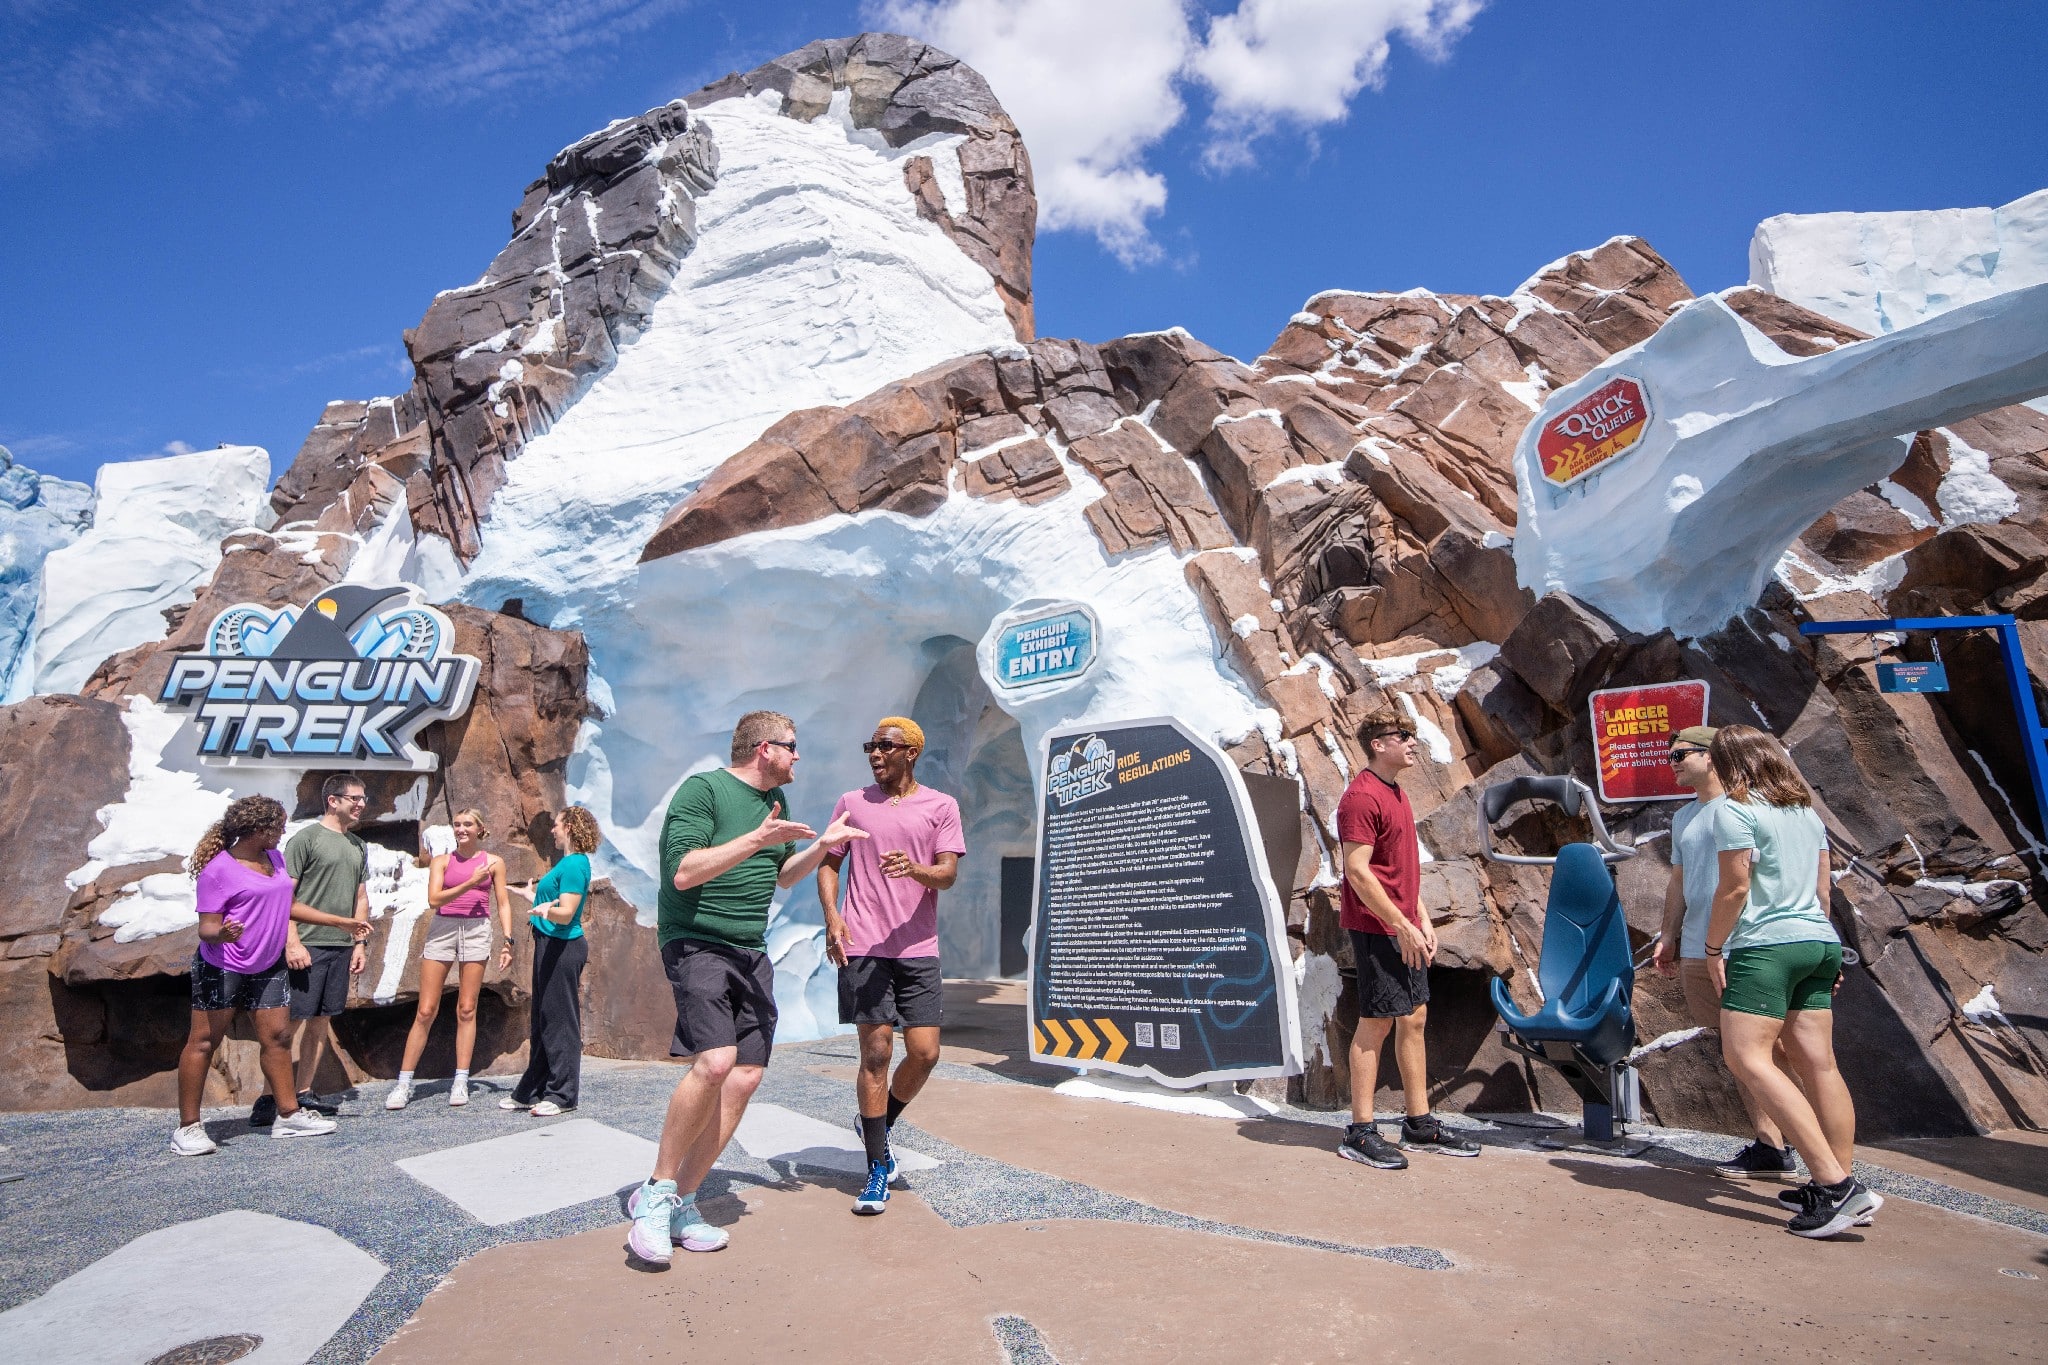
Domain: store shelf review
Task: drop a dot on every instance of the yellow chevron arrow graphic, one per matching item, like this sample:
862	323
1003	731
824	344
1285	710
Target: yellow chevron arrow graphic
1038	1043
1113	1041
1089	1042
1061	1044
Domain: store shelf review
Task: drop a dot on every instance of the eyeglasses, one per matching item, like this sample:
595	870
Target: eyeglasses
788	744
1677	754
1405	736
357	800
887	746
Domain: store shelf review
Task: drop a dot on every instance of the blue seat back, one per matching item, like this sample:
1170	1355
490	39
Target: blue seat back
1585	937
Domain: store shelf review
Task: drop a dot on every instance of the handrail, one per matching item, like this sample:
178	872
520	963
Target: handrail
1567	792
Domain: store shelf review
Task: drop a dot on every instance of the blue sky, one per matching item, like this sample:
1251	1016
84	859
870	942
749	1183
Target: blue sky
223	215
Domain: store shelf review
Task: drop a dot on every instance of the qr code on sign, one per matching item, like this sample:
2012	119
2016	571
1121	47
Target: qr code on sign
1145	1034
1169	1037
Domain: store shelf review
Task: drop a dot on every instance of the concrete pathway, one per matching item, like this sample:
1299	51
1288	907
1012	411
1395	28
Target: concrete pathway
1037	1227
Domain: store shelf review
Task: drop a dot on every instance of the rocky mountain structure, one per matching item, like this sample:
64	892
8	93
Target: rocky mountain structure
751	411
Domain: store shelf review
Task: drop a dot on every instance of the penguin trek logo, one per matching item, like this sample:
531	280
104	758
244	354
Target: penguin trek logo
338	683
1081	770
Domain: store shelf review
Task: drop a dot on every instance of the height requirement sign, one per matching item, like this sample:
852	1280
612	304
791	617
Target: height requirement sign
1632	730
1158	945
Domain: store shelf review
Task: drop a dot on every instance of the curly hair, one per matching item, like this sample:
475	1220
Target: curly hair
245	817
584	836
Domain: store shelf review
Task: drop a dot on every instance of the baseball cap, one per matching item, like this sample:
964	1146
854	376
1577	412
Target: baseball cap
1702	735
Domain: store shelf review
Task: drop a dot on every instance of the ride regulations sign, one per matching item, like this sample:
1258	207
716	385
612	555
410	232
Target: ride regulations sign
1158	942
1632	730
346	681
1597	430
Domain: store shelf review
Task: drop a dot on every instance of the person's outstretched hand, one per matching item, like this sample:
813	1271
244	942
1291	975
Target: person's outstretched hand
839	832
774	830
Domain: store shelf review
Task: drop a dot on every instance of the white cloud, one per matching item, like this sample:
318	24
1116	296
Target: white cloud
1091	84
1300	62
1094	85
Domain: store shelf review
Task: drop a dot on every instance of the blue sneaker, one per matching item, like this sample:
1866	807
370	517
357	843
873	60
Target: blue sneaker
686	1227
653	1206
874	1196
888	1152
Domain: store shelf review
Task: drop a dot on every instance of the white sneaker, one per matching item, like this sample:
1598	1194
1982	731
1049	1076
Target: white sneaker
301	1123
509	1103
400	1096
458	1094
191	1140
546	1109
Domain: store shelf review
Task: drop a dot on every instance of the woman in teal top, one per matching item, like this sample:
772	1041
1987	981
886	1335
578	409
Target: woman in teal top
554	1066
1777	960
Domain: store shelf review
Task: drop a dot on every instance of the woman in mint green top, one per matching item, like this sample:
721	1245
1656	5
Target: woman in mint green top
1777	959
554	1066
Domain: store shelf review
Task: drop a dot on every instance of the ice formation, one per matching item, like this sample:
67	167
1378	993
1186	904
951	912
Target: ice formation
38	515
155	538
1746	446
1879	272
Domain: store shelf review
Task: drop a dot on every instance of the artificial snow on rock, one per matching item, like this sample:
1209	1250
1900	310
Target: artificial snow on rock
1879	272
1747	447
156	531
38	516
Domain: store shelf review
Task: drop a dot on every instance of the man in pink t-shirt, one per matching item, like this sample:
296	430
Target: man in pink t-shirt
885	937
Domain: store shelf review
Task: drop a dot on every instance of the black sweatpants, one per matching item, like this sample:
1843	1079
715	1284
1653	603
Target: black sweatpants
554	1066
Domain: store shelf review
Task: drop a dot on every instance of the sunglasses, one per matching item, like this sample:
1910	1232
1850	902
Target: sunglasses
886	746
788	744
1405	736
1677	754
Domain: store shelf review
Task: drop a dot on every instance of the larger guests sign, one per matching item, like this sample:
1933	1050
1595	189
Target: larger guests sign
1632	730
347	681
1159	947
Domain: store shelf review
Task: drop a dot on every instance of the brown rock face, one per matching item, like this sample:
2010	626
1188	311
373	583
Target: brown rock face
44	824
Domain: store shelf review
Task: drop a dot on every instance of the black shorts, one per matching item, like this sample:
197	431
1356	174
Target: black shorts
904	991
725	997
217	988
322	988
1388	988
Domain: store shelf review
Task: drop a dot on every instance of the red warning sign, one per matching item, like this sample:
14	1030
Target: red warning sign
1599	428
1632	730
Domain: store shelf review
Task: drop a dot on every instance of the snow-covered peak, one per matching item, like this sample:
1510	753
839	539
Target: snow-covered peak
38	514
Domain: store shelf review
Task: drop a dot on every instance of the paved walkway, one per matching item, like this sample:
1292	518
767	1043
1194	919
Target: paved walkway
1038	1227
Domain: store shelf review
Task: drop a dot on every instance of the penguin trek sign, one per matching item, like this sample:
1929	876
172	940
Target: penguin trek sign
347	681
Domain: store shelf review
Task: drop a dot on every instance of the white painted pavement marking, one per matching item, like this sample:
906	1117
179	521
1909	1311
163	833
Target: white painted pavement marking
504	1179
293	1284
770	1132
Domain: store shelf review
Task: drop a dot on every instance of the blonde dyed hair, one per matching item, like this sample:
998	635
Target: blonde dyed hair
913	733
584	835
247	816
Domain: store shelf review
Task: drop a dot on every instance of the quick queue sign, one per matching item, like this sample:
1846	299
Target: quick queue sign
1597	430
1632	731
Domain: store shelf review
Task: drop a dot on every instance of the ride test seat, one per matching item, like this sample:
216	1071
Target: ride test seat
1586	972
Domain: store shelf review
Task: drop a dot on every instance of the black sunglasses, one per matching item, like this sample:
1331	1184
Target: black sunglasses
788	744
887	746
1402	735
1677	754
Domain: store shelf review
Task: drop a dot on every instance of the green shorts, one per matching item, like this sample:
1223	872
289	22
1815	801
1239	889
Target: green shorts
1780	977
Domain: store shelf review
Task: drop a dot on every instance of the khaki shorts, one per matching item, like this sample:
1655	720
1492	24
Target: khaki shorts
1700	996
457	938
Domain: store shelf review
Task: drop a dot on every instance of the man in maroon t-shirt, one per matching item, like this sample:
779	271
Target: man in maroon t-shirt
1392	943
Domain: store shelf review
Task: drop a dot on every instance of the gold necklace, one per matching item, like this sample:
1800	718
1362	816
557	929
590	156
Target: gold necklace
898	800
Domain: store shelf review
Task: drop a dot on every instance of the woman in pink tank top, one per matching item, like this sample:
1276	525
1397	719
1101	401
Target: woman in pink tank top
463	887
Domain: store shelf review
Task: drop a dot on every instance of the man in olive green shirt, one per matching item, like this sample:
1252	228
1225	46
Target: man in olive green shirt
725	849
328	866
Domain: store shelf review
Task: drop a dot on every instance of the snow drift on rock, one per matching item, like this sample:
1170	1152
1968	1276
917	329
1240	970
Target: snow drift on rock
38	515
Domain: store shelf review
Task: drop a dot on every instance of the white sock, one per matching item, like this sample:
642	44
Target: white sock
405	1078
462	1075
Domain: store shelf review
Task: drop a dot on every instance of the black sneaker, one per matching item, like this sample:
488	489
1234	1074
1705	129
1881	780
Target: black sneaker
263	1113
325	1108
1428	1134
1362	1142
1826	1212
1759	1159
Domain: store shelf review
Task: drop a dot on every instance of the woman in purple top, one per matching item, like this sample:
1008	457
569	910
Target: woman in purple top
462	887
245	910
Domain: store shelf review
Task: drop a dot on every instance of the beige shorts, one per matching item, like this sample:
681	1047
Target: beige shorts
1700	996
455	938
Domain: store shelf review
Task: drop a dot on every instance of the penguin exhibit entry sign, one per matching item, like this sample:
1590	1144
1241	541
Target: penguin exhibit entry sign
336	684
1158	942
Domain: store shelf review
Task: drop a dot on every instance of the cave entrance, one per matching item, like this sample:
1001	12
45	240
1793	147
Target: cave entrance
974	752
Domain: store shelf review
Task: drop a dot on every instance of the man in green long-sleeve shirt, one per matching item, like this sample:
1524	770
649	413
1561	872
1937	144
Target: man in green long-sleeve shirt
725	849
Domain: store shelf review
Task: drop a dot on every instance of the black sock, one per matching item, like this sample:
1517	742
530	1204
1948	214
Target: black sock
896	1107
874	1132
1353	1130
1847	1182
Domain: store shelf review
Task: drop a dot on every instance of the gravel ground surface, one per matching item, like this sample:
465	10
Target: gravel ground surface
97	1179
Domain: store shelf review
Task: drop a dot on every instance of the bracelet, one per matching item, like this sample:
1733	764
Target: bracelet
1712	951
